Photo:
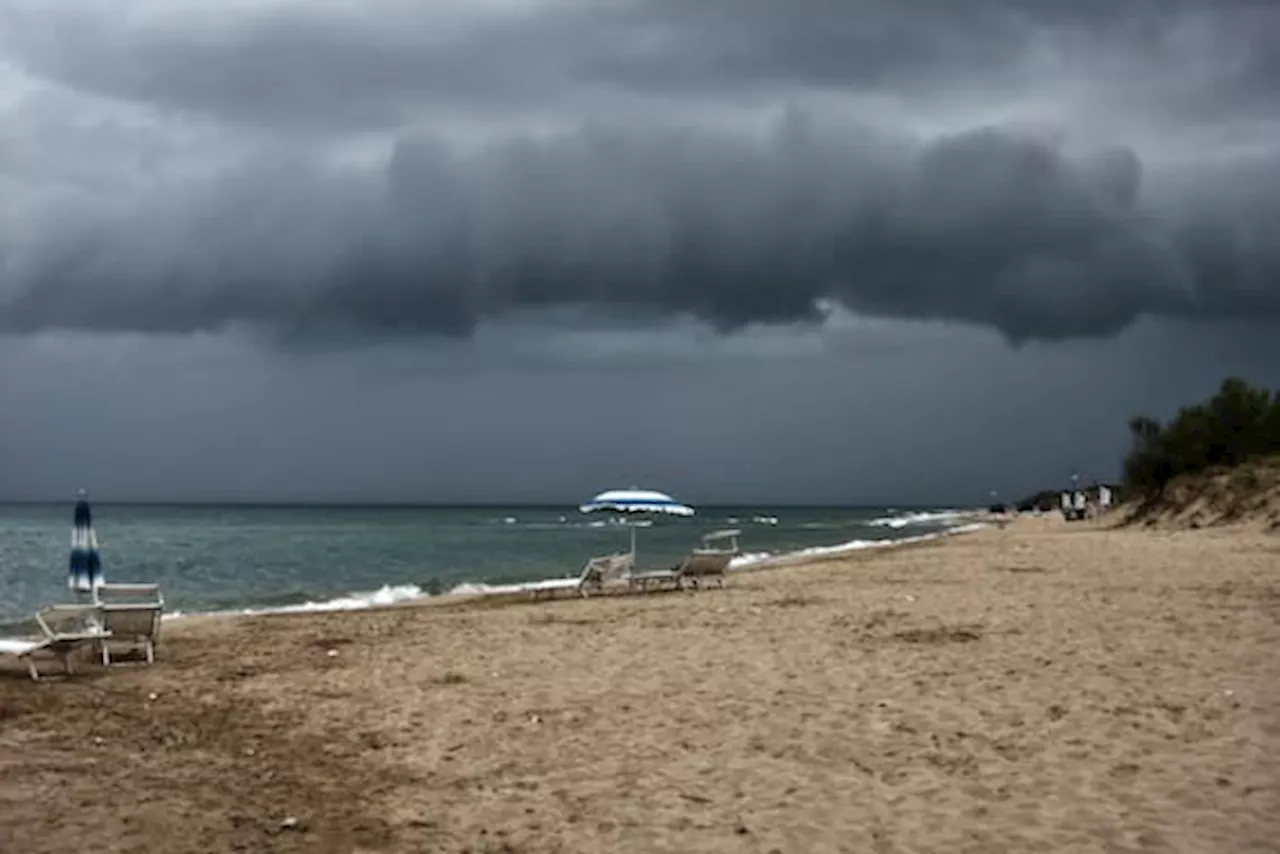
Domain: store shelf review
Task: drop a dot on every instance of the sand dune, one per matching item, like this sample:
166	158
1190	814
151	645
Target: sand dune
1247	495
1048	687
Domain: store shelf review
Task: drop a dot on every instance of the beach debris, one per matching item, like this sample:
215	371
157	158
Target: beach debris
153	696
535	720
333	653
289	823
450	678
909	598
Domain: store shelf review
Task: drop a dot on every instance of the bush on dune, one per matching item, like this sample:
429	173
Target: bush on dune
1238	424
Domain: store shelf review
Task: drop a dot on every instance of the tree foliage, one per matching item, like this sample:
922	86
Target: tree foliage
1239	423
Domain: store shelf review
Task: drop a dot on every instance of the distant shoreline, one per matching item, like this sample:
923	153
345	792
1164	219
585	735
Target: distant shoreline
969	523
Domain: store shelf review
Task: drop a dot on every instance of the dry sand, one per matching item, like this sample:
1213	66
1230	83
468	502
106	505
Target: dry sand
1042	688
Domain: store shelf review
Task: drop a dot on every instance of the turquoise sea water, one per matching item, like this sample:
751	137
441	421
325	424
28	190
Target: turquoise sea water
211	558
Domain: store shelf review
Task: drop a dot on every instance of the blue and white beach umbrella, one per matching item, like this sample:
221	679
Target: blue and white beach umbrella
635	501
85	574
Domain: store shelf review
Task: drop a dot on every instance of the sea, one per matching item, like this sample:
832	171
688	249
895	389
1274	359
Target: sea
251	559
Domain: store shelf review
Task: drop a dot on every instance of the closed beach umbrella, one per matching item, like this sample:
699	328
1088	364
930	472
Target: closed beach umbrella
635	502
85	574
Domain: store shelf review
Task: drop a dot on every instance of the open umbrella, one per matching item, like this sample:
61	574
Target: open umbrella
85	575
635	501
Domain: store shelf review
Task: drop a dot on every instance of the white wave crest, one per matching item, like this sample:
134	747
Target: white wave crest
927	517
388	594
479	588
757	559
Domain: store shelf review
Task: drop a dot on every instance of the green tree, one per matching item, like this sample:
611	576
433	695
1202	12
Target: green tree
1237	424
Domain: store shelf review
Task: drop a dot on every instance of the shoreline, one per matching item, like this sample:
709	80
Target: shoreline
412	596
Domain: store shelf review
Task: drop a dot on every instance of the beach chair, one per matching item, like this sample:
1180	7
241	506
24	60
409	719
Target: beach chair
136	622
711	562
595	574
652	579
708	563
64	630
703	566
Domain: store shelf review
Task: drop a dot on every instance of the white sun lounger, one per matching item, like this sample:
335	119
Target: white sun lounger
595	574
55	639
698	567
710	562
131	622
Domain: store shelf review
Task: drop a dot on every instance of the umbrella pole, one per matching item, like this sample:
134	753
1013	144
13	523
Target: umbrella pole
633	540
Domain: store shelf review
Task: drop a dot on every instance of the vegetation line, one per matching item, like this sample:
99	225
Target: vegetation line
1236	425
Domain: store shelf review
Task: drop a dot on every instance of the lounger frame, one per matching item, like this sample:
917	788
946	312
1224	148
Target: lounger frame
131	622
64	644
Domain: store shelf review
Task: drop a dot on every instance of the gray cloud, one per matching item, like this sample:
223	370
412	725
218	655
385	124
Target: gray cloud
210	190
312	65
383	63
999	227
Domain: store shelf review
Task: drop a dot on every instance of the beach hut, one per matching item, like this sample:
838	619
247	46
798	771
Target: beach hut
1104	497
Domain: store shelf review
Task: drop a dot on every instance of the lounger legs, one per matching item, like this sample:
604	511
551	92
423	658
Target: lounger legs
151	653
31	668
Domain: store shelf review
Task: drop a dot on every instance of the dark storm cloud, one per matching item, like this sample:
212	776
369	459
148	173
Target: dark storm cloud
377	64
635	222
1193	60
998	227
313	67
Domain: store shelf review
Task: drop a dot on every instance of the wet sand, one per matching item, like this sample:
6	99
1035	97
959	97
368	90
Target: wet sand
1047	687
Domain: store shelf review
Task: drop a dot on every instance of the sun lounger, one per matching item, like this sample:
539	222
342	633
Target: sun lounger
710	562
64	630
694	570
656	578
705	565
595	574
131	622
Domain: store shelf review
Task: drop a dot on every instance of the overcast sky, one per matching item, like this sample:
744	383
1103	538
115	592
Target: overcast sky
870	251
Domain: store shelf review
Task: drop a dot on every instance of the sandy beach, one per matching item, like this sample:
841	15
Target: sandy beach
1046	687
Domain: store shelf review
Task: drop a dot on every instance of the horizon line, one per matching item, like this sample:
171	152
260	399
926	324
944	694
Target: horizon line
447	505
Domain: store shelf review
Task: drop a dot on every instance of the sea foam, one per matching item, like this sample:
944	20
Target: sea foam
388	594
928	517
759	559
